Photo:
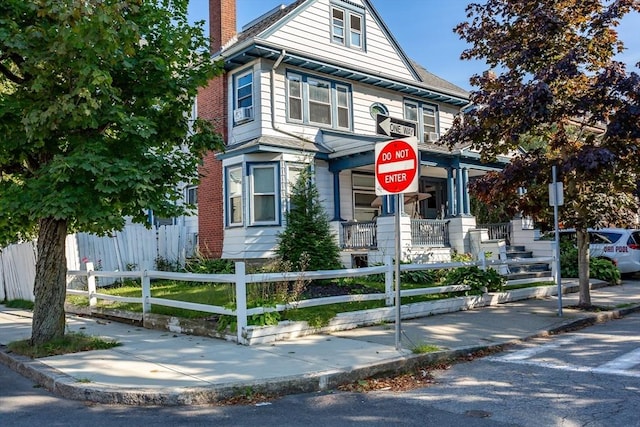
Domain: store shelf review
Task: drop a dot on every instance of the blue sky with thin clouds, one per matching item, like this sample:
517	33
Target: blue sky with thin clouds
424	30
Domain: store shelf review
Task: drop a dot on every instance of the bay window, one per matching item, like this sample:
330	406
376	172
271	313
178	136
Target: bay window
234	195
264	186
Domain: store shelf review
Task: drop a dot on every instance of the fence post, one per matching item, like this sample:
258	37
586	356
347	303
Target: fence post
483	261
388	280
241	302
91	285
146	291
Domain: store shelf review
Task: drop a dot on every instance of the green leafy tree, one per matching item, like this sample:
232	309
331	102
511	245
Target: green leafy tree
307	238
95	123
553	76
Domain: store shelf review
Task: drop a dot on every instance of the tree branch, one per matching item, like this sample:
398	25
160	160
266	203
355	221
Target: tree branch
11	76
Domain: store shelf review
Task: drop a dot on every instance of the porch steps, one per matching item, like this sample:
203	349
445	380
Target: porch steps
525	271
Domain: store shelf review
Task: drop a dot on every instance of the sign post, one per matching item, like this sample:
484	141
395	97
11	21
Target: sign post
397	172
556	199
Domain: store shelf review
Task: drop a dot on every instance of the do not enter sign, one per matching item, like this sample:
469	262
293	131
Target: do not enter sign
396	166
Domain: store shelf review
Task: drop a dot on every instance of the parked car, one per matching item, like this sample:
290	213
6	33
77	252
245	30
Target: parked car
619	245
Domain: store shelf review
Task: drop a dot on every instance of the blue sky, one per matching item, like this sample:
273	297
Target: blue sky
424	30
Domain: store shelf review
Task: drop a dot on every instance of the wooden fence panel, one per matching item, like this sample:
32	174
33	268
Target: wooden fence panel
18	271
134	248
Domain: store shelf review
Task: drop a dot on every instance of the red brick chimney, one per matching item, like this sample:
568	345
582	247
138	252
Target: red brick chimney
212	106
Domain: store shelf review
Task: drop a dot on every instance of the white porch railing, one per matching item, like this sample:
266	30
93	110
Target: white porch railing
501	230
424	232
358	235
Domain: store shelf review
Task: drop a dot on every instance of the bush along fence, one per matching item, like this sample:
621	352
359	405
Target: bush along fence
241	282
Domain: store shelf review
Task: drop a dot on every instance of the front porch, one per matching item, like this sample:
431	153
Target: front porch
422	240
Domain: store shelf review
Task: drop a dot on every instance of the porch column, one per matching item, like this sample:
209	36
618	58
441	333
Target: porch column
465	191
460	192
336	196
450	193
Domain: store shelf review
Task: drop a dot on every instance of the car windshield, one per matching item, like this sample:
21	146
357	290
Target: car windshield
603	237
595	237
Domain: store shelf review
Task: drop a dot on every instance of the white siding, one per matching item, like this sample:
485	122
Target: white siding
310	32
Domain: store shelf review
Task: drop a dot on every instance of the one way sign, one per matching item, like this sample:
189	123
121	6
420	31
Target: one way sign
395	128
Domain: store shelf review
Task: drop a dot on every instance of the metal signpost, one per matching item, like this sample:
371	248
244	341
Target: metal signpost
556	199
396	168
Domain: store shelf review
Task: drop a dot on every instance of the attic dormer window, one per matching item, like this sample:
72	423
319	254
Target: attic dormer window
346	27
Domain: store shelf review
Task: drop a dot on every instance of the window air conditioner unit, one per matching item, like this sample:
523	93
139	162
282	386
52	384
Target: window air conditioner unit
433	136
242	114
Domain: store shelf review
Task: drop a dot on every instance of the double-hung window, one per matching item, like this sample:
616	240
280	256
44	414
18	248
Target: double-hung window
346	27
317	101
363	196
234	195
264	188
343	106
243	97
426	115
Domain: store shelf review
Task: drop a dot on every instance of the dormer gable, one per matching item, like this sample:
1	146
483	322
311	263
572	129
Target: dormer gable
344	38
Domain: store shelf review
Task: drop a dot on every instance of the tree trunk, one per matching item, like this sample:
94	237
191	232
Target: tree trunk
50	283
583	267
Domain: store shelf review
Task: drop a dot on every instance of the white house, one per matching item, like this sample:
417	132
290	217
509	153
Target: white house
321	82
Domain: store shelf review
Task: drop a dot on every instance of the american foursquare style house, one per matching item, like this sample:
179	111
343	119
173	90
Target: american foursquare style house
319	83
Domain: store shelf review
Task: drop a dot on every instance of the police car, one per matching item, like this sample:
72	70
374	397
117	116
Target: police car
620	246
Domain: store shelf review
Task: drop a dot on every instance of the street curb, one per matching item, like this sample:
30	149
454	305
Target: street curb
68	387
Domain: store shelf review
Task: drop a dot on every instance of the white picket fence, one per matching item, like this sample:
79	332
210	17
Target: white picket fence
134	248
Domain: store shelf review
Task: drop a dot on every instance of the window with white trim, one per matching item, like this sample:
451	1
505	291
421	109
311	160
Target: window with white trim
243	97
342	103
295	96
263	180
363	196
317	101
234	195
426	115
346	27
293	174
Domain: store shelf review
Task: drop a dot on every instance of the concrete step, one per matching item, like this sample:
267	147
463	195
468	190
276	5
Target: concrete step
528	275
519	254
538	267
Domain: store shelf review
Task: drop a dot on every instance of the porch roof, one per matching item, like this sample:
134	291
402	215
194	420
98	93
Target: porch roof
272	144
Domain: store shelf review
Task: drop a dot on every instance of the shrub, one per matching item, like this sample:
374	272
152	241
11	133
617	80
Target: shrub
599	268
604	269
308	230
478	280
204	265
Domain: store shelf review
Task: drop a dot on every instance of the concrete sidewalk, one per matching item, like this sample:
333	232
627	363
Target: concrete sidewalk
163	368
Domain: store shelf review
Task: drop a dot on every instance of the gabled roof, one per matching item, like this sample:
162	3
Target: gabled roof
251	44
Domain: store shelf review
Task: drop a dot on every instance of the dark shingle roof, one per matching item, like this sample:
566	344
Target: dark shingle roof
434	81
